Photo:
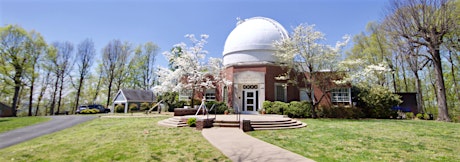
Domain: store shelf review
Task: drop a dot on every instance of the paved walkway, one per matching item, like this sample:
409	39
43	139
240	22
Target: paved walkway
55	124
238	146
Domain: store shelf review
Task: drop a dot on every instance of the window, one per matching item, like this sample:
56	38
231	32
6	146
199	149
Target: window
304	96
341	96
185	95
210	94
224	94
280	92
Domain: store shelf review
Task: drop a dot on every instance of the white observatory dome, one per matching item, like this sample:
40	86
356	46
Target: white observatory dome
251	42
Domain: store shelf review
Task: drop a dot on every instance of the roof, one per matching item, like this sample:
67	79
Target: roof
133	95
252	41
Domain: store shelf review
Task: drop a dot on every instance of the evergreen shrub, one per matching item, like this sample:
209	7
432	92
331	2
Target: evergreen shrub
191	122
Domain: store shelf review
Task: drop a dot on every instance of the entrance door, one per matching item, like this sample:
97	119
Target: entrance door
250	100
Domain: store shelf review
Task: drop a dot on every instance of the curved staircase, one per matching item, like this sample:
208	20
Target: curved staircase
285	123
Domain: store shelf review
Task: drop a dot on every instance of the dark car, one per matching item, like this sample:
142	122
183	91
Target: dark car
101	108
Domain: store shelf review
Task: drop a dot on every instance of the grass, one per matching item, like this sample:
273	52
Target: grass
117	139
370	140
10	123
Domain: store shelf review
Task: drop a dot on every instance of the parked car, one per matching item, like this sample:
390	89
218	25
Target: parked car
101	108
80	108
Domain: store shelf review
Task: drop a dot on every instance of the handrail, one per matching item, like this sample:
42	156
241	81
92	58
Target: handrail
158	103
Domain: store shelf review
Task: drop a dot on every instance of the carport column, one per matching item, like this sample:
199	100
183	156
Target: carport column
126	107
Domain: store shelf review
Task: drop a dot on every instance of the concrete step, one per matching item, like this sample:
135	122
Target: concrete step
277	128
236	125
172	122
296	123
273	122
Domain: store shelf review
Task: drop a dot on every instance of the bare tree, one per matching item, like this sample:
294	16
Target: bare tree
14	58
36	47
425	23
150	52
84	60
62	63
113	61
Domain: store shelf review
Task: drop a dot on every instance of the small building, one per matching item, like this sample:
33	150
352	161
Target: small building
126	97
5	110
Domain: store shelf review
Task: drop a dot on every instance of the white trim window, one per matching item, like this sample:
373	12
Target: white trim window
210	94
280	92
185	95
341	96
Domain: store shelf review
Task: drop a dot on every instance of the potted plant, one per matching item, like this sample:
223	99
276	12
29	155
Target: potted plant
262	111
226	112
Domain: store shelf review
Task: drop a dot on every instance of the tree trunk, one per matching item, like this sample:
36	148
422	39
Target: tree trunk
31	93
15	99
53	101
77	100
420	107
17	88
61	87
443	114
108	93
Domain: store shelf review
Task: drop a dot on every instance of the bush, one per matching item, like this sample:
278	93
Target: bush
426	116
191	122
419	116
133	107
119	108
277	107
340	112
89	111
219	107
409	115
377	101
145	106
298	109
267	105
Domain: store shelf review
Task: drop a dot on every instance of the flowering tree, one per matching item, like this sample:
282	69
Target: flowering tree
303	52
190	69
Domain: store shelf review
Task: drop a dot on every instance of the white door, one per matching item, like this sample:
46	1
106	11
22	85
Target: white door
250	100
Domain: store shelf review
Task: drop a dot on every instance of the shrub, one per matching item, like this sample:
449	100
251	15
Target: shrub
419	116
267	105
133	106
426	116
377	101
409	115
119	108
90	111
340	112
298	109
219	107
278	107
145	106
191	122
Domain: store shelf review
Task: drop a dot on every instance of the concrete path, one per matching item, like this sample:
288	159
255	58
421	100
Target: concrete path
55	124
238	146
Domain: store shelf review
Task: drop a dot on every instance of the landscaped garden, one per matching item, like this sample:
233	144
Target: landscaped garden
117	139
369	140
7	124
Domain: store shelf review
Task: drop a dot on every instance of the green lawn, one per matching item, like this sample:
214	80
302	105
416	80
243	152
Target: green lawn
117	139
11	123
370	140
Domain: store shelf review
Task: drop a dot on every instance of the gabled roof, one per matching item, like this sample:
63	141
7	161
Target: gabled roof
133	95
4	106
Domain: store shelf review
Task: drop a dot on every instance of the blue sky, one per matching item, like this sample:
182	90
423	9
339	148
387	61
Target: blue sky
165	22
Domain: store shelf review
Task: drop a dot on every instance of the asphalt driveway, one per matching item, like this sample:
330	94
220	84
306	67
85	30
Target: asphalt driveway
56	123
